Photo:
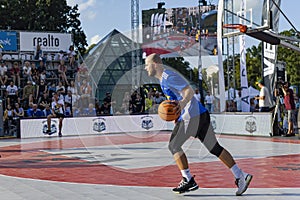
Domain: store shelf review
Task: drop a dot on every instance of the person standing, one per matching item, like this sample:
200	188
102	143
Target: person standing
209	101
197	94
57	106
290	107
264	98
194	121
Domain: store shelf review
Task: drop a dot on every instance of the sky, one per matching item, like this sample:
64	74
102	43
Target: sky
100	17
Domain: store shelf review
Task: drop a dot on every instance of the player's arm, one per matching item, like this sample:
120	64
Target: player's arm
187	94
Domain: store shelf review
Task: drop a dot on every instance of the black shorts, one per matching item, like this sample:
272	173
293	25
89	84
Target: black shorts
60	115
198	127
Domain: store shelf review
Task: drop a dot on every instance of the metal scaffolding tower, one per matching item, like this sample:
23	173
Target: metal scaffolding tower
135	22
230	51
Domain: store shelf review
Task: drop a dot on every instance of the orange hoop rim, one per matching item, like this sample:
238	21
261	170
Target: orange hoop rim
241	27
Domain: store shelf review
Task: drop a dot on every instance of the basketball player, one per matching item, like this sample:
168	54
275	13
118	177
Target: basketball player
194	121
57	106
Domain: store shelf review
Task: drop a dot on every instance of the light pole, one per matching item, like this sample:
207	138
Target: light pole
199	58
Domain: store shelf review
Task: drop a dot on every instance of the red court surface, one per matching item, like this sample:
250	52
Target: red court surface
276	168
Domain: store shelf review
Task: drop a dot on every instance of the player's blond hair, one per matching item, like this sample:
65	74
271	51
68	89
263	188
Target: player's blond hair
154	58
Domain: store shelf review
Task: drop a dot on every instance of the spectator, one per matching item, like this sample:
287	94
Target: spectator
47	110
3	74
41	67
252	105
290	107
15	74
60	87
138	105
75	96
28	94
8	118
85	94
27	71
90	111
68	103
157	99
71	55
38	55
18	111
209	102
41	89
34	111
60	55
34	73
197	95
62	70
44	101
104	109
264	98
124	109
12	93
51	89
149	102
238	101
43	76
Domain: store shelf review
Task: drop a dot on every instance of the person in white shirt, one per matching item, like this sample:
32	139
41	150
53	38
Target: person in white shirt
197	94
3	74
57	106
12	93
264	98
27	71
209	101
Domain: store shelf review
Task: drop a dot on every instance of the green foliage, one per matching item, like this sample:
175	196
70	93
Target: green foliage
43	15
253	62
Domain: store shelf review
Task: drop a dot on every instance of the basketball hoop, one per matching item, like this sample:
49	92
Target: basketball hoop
241	27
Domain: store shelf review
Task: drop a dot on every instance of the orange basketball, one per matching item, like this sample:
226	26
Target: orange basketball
168	110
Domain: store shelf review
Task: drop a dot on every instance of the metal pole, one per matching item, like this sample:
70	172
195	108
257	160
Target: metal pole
199	58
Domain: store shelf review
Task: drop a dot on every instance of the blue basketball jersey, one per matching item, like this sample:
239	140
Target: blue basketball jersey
172	84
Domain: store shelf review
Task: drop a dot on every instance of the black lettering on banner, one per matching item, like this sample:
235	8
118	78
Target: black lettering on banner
243	72
49	41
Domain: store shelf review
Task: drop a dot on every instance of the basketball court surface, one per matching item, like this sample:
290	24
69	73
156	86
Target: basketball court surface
139	166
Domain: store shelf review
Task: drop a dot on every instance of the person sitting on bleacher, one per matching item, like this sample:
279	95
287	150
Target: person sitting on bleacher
15	74
18	111
27	71
71	55
35	73
90	111
62	70
28	94
12	93
47	111
44	101
34	111
3	75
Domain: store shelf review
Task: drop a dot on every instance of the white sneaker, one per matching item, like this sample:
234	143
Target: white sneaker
243	183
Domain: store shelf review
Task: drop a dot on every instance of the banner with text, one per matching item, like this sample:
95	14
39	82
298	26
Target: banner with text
50	42
8	40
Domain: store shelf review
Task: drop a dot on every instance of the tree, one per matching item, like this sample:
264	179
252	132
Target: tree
43	15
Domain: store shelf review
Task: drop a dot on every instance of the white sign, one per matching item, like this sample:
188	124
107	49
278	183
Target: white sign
251	124
52	42
95	125
254	124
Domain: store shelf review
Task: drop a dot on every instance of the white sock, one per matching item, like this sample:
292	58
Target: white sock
186	174
237	172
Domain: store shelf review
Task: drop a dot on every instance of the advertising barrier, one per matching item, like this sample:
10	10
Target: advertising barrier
248	124
94	125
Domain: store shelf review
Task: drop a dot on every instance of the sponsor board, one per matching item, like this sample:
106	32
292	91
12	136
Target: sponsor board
50	42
